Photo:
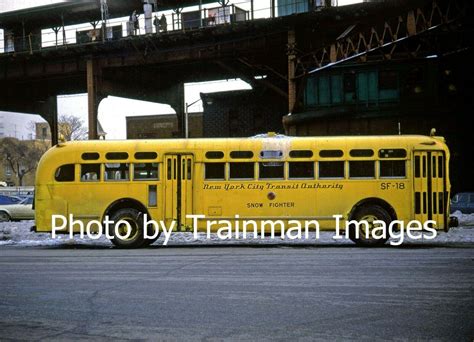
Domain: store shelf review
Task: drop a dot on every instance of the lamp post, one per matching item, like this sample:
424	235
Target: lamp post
186	118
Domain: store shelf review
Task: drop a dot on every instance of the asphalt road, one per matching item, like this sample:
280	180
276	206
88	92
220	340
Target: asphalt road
215	293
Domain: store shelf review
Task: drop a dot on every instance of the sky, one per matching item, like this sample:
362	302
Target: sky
113	110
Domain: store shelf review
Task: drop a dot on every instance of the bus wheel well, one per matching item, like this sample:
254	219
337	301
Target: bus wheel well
124	203
374	201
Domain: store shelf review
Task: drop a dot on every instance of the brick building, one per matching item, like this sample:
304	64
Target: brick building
162	126
225	116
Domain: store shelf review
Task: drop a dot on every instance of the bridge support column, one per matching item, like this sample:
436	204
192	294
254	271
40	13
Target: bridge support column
177	103
94	95
182	112
291	70
49	111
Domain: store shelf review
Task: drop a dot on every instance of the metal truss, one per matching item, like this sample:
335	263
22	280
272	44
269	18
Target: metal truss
387	39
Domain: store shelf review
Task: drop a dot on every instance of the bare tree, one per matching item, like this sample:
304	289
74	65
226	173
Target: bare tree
21	156
72	127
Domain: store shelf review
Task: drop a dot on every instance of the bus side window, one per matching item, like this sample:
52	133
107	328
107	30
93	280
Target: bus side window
362	169
300	170
241	170
145	171
116	171
331	153
215	171
65	173
392	169
90	172
331	169
271	170
301	154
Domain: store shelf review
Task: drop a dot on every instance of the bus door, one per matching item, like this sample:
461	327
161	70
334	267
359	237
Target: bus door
178	199
430	196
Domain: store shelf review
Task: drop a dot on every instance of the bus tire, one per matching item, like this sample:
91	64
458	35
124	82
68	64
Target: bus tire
4	217
370	213
135	219
149	242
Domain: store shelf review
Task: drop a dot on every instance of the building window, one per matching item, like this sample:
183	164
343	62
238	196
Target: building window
366	86
324	90
349	81
388	85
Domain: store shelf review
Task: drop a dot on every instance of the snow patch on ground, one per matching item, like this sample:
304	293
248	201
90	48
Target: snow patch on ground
464	219
19	234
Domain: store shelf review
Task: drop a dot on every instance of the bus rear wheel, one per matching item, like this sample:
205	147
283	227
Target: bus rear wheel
370	213
129	234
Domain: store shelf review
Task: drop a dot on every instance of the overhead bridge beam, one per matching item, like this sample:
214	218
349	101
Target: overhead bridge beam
384	38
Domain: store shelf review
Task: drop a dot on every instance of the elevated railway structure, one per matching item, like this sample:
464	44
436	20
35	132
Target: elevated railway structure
277	53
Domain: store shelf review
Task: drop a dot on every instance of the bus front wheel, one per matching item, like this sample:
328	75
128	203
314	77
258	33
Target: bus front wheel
128	233
149	242
367	235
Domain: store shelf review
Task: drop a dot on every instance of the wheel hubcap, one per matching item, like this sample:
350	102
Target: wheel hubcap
123	229
366	230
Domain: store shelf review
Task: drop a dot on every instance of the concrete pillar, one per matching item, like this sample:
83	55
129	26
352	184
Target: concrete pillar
94	96
291	70
177	102
180	111
48	110
201	14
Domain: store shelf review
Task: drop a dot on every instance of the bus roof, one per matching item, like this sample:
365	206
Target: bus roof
284	143
201	143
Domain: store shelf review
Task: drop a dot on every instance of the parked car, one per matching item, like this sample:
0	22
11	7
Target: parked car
464	202
5	200
22	210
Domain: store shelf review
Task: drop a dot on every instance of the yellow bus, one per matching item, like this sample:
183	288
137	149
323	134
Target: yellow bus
270	177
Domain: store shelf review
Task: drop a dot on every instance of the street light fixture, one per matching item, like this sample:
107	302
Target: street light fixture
186	118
